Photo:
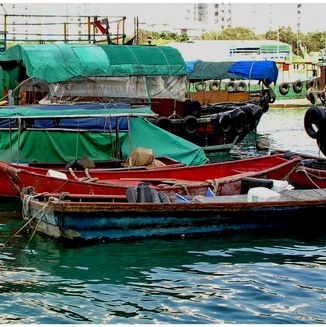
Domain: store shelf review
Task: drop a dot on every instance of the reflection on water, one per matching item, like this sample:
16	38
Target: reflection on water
274	277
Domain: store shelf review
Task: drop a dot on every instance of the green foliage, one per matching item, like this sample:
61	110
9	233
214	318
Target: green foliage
231	33
161	38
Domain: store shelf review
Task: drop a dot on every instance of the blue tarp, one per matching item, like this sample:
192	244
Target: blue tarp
256	70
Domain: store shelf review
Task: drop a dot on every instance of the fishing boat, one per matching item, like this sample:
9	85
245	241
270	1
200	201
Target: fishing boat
223	178
138	74
76	218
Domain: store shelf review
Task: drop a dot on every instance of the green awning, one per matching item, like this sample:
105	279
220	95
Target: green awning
212	70
62	62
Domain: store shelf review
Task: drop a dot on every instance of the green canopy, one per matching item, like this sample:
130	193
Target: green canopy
39	145
212	70
145	134
61	62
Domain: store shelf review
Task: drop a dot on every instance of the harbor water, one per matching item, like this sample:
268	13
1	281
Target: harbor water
269	277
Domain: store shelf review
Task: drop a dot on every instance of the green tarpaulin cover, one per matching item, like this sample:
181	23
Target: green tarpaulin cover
62	62
64	146
145	134
211	70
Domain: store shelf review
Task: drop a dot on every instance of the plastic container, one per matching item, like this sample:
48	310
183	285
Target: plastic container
280	186
262	194
56	174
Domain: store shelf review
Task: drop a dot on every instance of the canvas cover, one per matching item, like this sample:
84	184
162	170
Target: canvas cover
251	70
145	134
256	70
62	62
65	146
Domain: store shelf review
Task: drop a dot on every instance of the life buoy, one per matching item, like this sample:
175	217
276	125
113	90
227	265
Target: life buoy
297	86
241	86
200	86
214	85
239	120
193	108
310	83
164	123
230	86
315	121
190	124
284	88
225	122
311	95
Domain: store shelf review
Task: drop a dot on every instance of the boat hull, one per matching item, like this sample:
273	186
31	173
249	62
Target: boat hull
100	221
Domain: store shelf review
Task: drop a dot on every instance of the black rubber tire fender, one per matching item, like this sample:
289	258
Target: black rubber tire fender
284	88
310	83
214	85
311	95
297	86
190	124
225	122
256	114
239	120
315	121
164	123
193	108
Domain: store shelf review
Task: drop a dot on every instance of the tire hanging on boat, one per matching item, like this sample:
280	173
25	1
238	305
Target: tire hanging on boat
256	114
310	83
239	120
200	86
190	124
214	85
284	88
164	123
193	108
297	86
225	122
311	95
241	86
315	122
230	86
271	95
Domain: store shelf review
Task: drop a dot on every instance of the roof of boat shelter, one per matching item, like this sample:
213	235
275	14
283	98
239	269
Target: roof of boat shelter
73	111
62	62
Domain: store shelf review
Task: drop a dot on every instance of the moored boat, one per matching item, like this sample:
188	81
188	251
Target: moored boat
69	217
223	178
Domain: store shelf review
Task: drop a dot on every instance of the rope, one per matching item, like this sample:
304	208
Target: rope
308	174
25	211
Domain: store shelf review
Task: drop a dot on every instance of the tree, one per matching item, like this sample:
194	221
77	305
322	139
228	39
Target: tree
231	33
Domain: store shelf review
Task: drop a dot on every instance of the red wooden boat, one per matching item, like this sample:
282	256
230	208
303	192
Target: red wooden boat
222	178
310	173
